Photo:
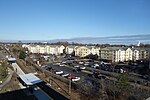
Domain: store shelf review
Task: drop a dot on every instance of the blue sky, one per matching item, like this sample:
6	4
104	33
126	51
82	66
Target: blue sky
58	19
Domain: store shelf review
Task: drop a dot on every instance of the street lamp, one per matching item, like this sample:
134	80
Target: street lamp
70	88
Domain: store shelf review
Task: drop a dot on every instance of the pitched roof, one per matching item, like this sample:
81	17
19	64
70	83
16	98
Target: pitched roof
72	46
116	48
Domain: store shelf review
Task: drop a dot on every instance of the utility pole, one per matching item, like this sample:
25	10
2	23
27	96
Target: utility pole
25	62
114	65
70	88
149	59
114	90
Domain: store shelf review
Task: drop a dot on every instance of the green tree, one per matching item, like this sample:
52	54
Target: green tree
15	50
3	70
123	82
22	55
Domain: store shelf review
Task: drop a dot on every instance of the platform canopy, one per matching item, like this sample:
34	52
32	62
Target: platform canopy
11	59
30	79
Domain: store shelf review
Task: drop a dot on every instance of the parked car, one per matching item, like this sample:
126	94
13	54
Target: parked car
59	72
64	62
86	64
95	66
81	62
145	76
65	75
76	66
57	63
61	65
75	79
71	76
82	67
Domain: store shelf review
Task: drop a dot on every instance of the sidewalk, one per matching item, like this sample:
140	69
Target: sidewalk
17	69
10	73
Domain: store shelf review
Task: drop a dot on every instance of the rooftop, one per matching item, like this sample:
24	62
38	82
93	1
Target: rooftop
30	79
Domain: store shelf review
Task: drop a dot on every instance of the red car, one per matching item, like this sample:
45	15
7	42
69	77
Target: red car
71	76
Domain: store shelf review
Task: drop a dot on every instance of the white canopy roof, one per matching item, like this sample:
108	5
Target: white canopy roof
30	79
11	59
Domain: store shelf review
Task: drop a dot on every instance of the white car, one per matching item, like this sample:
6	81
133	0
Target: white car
82	67
86	64
76	66
59	72
76	79
57	64
97	65
65	75
61	65
81	62
64	62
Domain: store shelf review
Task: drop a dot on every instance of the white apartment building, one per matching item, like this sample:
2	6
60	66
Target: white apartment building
70	49
56	49
120	55
136	54
48	49
129	54
32	48
94	50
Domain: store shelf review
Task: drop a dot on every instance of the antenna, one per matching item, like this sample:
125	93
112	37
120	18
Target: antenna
139	43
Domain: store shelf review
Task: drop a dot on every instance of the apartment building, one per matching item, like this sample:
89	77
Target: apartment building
70	49
94	50
141	53
128	54
113	54
121	54
83	51
107	54
41	49
116	54
32	48
46	49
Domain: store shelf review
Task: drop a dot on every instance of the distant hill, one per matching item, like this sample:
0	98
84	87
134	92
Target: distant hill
132	39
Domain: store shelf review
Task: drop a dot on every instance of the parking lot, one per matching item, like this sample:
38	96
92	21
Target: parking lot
78	69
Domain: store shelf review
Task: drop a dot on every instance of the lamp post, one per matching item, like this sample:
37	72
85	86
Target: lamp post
70	88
